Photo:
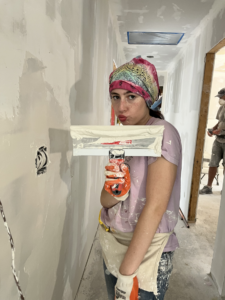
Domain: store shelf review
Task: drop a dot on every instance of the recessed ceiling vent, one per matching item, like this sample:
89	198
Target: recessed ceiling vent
154	38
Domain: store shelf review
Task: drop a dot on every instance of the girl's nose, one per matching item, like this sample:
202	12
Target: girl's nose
123	105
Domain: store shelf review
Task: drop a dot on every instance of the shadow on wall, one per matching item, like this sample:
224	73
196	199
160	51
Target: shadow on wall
38	108
71	261
84	86
61	142
50	6
66	10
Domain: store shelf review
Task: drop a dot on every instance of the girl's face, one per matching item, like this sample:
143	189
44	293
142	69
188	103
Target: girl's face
130	108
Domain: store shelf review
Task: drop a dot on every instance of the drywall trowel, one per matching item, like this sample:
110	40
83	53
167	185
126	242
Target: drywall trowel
115	141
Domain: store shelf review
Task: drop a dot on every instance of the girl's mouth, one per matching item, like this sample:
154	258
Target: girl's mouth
122	118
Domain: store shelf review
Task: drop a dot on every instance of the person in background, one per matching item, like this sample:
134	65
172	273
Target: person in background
218	150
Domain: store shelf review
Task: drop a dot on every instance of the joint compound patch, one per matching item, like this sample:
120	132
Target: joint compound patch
13	252
171	216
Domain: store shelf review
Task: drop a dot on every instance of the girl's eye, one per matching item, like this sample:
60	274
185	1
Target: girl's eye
115	97
131	97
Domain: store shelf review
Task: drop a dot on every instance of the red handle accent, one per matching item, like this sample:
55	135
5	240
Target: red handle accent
134	292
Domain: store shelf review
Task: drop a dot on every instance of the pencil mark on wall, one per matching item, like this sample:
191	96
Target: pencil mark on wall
13	252
41	161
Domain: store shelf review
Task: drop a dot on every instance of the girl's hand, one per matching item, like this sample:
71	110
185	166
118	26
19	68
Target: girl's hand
117	176
126	287
209	133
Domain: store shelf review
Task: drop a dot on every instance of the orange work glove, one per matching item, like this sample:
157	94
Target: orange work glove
117	178
126	287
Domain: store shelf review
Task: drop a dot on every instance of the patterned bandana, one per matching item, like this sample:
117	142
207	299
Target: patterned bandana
138	76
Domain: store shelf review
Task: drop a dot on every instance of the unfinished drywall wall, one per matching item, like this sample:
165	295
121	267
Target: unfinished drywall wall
162	75
185	76
55	58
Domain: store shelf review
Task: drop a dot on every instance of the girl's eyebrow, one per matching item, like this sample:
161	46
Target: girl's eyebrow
128	92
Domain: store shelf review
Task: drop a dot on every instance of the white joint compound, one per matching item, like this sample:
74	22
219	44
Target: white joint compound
99	135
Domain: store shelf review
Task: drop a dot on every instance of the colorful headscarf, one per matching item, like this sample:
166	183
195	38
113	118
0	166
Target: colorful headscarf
138	76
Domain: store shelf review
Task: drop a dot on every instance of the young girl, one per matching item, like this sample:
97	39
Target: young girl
136	232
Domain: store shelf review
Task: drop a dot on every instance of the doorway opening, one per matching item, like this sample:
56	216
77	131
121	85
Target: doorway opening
202	156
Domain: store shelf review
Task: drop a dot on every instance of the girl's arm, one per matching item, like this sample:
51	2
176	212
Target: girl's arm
160	182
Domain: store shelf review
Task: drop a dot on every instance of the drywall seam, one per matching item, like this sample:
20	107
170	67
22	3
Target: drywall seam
13	252
216	8
118	36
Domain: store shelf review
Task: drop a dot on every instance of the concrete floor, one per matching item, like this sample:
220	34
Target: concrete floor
192	261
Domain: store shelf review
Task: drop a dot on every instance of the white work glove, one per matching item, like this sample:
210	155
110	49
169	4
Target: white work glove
126	287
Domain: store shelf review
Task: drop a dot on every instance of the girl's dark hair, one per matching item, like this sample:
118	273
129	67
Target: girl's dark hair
156	114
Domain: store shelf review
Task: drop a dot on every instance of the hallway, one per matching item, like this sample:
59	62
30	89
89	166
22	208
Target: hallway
192	261
55	62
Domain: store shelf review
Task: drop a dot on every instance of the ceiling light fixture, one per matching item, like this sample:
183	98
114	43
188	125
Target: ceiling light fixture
154	38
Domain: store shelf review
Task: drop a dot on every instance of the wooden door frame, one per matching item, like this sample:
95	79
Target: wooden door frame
203	118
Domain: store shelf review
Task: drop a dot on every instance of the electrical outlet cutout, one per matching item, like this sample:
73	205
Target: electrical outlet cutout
41	161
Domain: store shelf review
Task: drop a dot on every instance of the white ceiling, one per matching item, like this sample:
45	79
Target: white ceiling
158	16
